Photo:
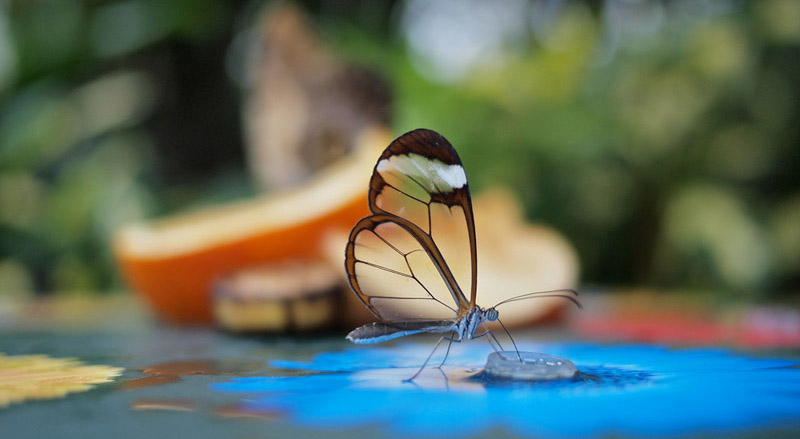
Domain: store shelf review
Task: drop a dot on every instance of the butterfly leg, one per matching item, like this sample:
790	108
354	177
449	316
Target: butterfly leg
512	340
446	379
441	339
450	341
494	339
491	338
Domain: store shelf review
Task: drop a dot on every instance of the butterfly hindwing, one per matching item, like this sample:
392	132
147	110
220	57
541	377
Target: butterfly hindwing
396	274
411	259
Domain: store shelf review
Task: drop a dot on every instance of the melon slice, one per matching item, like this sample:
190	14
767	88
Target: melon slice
174	262
517	257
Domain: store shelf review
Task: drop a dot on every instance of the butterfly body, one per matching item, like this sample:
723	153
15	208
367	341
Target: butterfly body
462	329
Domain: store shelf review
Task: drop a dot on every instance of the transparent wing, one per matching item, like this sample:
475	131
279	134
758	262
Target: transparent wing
398	272
420	178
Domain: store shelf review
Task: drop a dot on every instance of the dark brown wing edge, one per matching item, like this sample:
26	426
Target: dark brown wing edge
369	223
431	144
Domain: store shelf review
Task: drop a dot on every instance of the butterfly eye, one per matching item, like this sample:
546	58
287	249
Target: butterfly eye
491	315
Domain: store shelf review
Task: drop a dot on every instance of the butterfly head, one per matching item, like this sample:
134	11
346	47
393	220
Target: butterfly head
490	314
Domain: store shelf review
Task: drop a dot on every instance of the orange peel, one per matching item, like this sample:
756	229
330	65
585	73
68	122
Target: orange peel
174	262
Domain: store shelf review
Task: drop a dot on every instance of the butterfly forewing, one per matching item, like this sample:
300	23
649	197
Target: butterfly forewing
419	195
453	240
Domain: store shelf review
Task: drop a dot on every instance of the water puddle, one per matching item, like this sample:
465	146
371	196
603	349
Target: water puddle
634	390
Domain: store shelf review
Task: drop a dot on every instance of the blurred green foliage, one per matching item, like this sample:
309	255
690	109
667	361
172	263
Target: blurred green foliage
669	159
662	141
109	111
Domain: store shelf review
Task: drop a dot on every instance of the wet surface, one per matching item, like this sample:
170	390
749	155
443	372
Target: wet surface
200	383
170	372
628	390
181	405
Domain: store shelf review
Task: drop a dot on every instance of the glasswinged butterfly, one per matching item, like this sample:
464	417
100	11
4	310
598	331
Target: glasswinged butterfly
409	261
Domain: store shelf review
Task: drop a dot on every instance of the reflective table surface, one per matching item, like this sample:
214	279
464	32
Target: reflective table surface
198	382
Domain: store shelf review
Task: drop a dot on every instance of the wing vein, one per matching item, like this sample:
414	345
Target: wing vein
406	194
388	243
430	222
380	267
410	177
413	276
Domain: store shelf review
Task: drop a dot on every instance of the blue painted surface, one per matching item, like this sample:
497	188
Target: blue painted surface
631	390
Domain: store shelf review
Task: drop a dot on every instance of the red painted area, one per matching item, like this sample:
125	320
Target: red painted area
749	327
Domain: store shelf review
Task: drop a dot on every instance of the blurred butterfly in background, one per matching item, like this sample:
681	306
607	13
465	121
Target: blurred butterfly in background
409	260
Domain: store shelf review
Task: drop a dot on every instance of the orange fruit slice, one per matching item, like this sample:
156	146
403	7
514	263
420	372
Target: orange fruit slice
174	263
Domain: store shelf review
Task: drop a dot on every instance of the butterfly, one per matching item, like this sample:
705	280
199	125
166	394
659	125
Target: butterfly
413	262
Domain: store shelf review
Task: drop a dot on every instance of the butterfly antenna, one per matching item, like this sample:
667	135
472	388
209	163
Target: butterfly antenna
510	338
568	294
426	360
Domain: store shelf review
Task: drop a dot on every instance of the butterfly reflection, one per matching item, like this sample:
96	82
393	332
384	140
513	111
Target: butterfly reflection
408	261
